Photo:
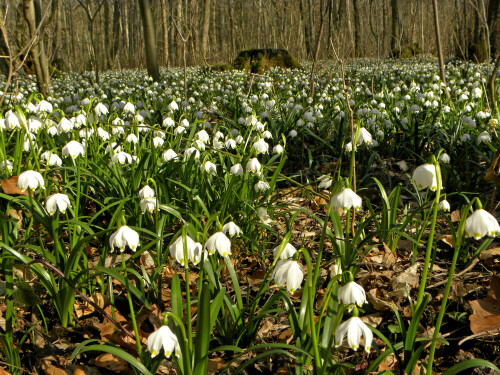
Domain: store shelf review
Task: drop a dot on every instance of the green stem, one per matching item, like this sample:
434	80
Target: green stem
131	306
188	293
430	242
317	358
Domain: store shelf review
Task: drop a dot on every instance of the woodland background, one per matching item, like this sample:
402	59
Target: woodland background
82	35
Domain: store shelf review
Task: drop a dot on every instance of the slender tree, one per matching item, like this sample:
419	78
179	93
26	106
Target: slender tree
149	39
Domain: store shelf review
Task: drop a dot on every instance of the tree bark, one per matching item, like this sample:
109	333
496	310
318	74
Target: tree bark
394	26
149	39
438	44
164	18
357	29
204	29
36	52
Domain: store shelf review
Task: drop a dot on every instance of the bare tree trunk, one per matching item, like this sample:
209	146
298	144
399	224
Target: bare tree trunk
36	53
491	84
149	39
164	18
394	26
493	20
357	29
438	45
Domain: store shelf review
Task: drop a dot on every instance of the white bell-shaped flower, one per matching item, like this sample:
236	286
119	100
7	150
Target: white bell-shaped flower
30	180
73	149
231	229
424	177
288	272
148	204
352	293
237	170
481	223
123	237
287	252
253	165
219	242
444	205
354	329
194	250
146	192
346	200
163	338
57	201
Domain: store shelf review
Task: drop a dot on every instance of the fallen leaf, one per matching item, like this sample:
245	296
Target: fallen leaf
455	216
9	186
490	256
112	363
377	303
486	316
215	364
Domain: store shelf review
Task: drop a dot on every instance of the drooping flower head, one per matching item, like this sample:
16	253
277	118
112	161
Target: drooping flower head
57	201
289	273
481	223
425	177
346	200
30	180
354	329
219	242
123	237
163	338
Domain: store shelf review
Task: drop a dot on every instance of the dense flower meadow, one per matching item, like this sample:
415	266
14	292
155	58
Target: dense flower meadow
136	190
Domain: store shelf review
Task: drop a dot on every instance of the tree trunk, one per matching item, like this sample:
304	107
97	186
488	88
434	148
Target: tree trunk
394	26
149	39
438	44
205	29
357	29
164	18
494	25
42	77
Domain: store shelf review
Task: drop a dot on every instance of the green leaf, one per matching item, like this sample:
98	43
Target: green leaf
471	363
115	351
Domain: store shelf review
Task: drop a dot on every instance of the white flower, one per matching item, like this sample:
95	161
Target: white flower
219	242
193	250
261	186
148	204
73	149
132	138
190	151
278	149
253	165
44	106
346	200
56	201
103	134
158	142
445	158
425	177
353	328
30	180
444	205
146	192
51	159
64	126
287	252
289	273
7	164
169	155
168	122
173	106
123	237
263	215
209	167
364	137
231	229
348	147
261	146
352	293
481	223
484	137
292	134
237	170
326	182
129	107
184	123
113	148
34	124
202	136
122	158
230	143
100	109
163	338
12	120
